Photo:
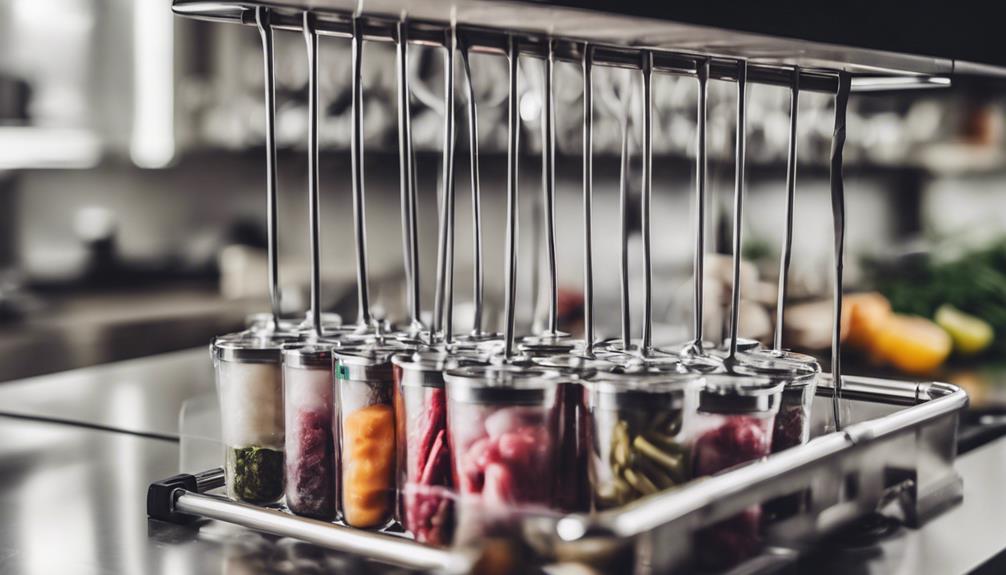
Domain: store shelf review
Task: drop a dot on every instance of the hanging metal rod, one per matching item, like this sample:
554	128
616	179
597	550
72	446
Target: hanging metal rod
480	39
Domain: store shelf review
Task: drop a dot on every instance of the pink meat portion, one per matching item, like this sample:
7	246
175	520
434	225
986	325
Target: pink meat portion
512	463
311	475
428	510
740	439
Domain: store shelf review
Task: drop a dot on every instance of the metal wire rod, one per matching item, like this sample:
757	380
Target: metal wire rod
787	237
452	48
478	281
513	143
838	214
359	208
268	64
623	206
701	173
588	175
311	39
548	185
446	197
410	239
739	181
647	195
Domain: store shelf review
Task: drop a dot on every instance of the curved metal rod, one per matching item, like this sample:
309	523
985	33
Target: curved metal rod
623	208
359	209
617	103
838	213
410	239
647	193
588	175
314	224
787	238
548	184
452	47
446	199
478	281
742	74
513	143
696	347
262	15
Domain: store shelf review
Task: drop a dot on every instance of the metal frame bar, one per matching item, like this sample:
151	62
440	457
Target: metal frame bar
481	39
373	545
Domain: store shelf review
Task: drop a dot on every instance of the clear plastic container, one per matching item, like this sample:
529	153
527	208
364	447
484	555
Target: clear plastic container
425	508
250	386
798	373
502	434
572	484
365	396
733	425
636	421
311	461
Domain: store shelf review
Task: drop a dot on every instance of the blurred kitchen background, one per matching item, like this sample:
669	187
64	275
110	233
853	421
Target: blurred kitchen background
132	196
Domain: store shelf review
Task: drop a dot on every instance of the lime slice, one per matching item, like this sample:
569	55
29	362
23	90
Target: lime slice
970	334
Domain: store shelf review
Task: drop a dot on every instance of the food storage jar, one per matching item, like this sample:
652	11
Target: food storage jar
502	434
798	373
365	398
311	461
733	425
636	418
572	486
425	506
249	384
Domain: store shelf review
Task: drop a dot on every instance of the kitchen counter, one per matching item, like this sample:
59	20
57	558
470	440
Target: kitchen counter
79	330
81	447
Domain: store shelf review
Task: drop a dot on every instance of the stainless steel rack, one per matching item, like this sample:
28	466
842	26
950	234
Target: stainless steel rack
895	447
480	33
900	462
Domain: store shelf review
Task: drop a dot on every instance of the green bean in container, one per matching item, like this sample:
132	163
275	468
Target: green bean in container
636	422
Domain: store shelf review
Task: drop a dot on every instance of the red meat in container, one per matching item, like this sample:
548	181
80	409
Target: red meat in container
739	439
426	495
310	475
508	465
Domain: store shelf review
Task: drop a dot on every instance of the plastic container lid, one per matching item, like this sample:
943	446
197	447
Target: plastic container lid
367	362
792	372
640	389
246	349
500	383
308	355
426	367
574	366
739	394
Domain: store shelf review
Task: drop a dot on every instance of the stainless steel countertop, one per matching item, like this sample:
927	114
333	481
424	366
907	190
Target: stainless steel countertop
72	498
139	395
73	501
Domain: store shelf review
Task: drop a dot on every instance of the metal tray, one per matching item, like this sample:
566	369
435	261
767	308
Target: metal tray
896	456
